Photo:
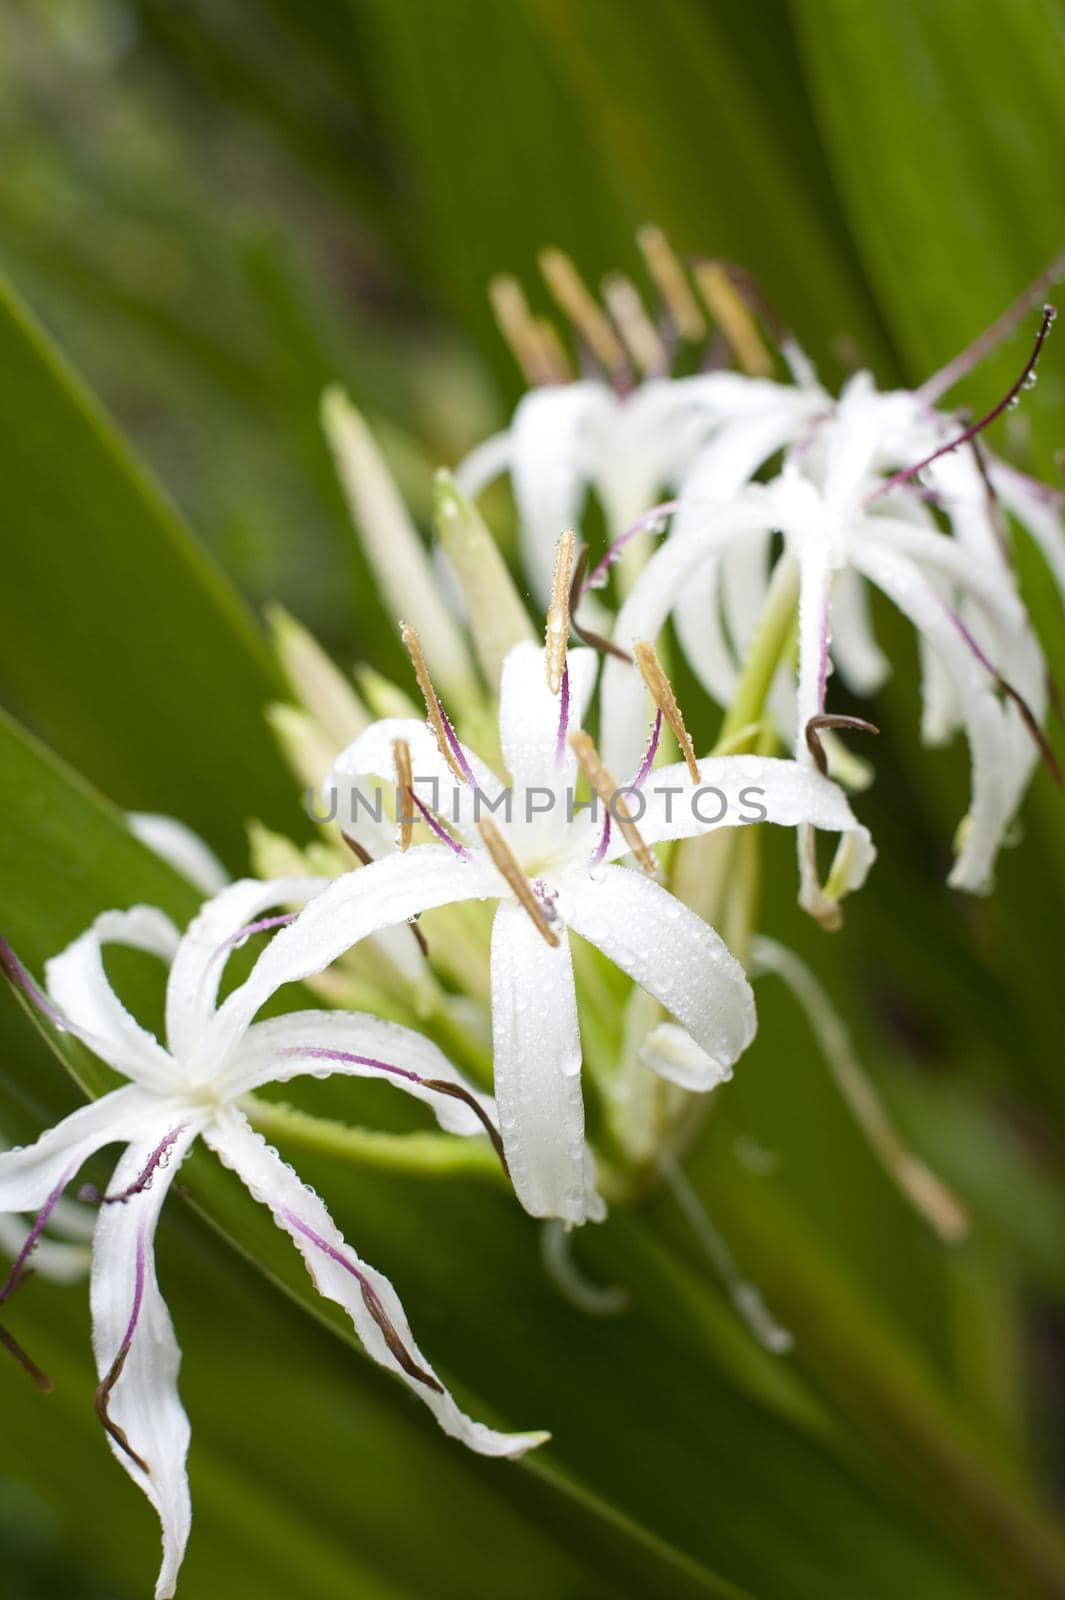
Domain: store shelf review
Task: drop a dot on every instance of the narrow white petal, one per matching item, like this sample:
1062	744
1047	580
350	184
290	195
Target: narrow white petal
29	1175
863	666
671	1051
309	1042
382	895
339	1275
484	464
670	952
184	850
129	1311
737	791
701	631
59	1263
653	596
209	940
1037	513
536	1046
78	984
556	440
530	716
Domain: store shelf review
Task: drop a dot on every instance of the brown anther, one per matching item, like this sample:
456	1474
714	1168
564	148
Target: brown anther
102	1401
579	305
506	864
585	635
538	353
404	791
457	1092
638	333
661	692
609	793
433	709
558	612
372	1302
732	316
672	284
831	720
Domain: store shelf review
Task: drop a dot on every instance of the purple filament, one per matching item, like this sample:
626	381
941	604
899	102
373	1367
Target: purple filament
18	1270
440	831
21	979
262	926
563	717
159	1157
597	577
604	842
323	1053
649	755
456	749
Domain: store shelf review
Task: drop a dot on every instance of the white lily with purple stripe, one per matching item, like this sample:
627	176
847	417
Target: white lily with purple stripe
563	878
190	1090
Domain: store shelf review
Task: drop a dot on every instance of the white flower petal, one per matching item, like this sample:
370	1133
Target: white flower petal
671	1051
306	1042
1037	512
372	756
536	1046
30	1175
862	664
484	464
700	629
129	1311
340	1276
78	984
382	895
209	940
739	791
556	439
530	716
670	952
655	592
184	850
59	1263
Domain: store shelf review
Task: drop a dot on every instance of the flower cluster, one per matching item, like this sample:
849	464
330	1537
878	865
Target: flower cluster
522	884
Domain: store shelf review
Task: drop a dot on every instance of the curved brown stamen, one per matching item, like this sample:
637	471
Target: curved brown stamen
831	720
101	1401
457	1092
661	692
372	1302
11	1344
508	867
405	788
612	797
363	855
585	635
558	612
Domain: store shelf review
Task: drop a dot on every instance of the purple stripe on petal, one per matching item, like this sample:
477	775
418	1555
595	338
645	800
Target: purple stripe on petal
160	1157
17	975
323	1053
604	842
103	1392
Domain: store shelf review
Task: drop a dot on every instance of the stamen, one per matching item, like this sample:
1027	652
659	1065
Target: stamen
1027	374
18	1271
506	864
651	522
558	612
812	734
604	842
405	789
649	754
661	692
17	975
11	1344
372	1302
363	855
639	335
730	312
1027	715
534	344
263	925
579	305
440	831
439	1085
1000	329
103	1392
612	798
160	1157
672	284
446	740
563	718
585	635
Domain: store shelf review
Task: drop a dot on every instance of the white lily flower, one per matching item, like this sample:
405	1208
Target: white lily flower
846	522
552	869
188	1090
62	1254
567	439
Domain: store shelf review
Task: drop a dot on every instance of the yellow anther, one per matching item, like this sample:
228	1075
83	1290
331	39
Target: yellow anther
638	332
404	791
433	709
524	334
607	790
558	612
661	692
672	284
580	306
734	319
507	865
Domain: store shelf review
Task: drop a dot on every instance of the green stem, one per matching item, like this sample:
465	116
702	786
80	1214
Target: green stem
428	1155
770	643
